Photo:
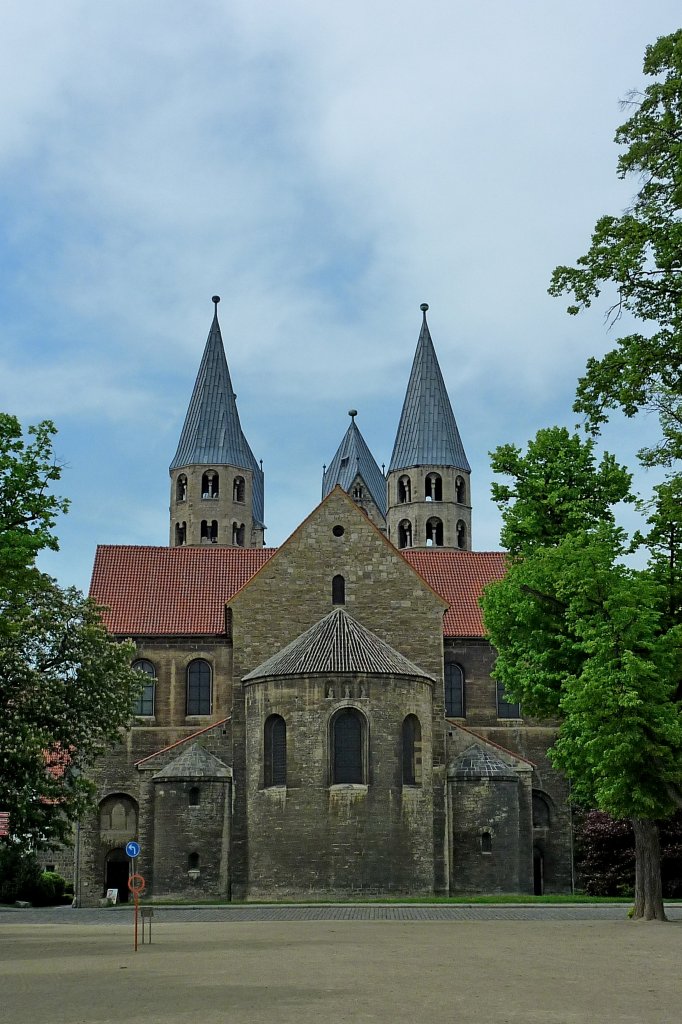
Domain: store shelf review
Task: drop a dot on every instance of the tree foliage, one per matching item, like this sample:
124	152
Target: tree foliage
66	687
640	253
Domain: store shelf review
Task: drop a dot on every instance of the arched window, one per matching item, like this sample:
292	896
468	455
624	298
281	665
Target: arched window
210	484
181	488
193	862
198	687
358	492
194	796
180	534
460	491
338	590
239	489
540	810
347	737
238	535
144	704
412	751
461	534
454	690
486	842
275	759
404	489
433	490
404	533
505	709
434	532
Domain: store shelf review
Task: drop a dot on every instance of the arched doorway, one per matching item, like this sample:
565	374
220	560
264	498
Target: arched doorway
116	870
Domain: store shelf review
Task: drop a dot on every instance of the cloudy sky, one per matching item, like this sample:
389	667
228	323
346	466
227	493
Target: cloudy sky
325	168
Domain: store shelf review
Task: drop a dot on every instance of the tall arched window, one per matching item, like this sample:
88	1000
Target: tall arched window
238	531
238	489
144	704
434	532
505	708
347	739
181	488
338	590
454	690
404	489
275	759
460	491
180	534
404	533
433	490
193	862
412	751
198	687
461	534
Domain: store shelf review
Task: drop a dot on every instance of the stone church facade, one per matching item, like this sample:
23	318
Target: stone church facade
319	720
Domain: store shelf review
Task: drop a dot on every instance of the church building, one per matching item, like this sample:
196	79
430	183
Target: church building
319	720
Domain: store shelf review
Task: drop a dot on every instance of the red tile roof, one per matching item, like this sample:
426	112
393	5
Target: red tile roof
459	577
153	591
167	591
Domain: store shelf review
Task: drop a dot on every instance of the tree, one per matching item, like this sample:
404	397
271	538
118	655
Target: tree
587	640
66	686
640	253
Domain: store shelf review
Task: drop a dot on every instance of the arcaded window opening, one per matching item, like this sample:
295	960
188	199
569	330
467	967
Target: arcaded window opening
433	489
144	704
338	590
404	489
239	489
412	751
238	533
348	731
461	534
460	490
275	752
454	690
210	484
181	488
180	534
198	687
434	532
404	533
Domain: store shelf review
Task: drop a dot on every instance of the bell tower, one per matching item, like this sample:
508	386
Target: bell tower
217	487
428	480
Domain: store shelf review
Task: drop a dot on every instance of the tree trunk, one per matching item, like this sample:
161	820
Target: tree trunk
648	884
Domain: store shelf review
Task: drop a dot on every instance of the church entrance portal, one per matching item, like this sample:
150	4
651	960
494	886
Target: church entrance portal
116	869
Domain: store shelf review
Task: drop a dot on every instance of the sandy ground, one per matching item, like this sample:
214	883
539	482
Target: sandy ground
497	972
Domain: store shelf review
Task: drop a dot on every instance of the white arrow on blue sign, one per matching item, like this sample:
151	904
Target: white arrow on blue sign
132	848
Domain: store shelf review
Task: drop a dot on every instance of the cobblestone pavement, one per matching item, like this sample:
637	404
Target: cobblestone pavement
326	912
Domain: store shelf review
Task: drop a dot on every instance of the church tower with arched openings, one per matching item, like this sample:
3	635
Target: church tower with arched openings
217	487
428	479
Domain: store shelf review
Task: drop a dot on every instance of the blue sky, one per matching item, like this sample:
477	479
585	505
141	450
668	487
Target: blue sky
325	168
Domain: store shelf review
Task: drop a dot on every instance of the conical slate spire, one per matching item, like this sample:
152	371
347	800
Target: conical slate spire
212	434
354	458
427	433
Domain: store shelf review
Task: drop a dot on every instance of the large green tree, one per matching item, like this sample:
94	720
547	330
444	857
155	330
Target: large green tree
66	687
585	639
637	257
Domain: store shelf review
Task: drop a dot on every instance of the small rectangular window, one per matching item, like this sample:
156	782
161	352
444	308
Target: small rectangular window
505	709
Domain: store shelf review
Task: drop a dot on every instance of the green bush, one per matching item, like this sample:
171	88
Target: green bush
48	889
19	873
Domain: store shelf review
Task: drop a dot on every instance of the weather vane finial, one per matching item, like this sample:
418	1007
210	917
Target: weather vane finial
215	300
352	413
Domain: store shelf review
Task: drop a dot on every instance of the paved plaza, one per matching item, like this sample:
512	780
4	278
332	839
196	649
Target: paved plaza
435	964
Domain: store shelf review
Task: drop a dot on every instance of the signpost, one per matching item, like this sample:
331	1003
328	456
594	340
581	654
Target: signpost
136	883
4	823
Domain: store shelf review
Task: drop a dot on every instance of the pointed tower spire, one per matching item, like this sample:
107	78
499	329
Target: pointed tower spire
428	476
211	441
355	469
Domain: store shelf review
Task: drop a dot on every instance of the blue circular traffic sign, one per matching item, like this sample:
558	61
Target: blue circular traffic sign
132	848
